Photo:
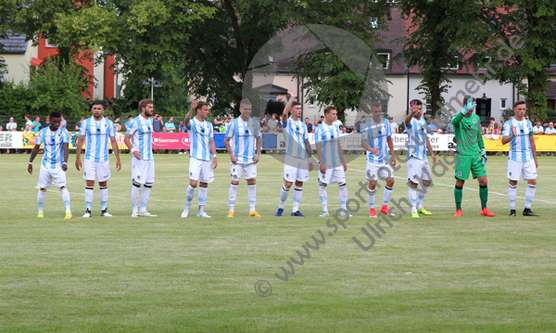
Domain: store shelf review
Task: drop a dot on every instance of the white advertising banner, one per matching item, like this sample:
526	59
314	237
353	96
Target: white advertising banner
11	140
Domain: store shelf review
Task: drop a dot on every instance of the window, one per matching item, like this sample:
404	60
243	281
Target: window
503	103
3	70
384	59
453	65
373	21
311	102
481	64
47	44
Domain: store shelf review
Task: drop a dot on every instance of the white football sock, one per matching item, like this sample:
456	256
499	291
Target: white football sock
145	194
371	198
189	195
283	196
40	200
134	197
343	194
323	198
202	198
421	194
89	194
412	192
66	197
252	195
297	194
103	196
512	193
530	195
232	196
387	195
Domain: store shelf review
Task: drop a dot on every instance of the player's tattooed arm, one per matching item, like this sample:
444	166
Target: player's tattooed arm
34	153
78	152
288	106
65	148
258	144
391	148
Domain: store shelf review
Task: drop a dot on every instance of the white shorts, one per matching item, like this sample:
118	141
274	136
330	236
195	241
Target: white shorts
516	170
378	171
417	168
332	175
249	171
99	169
295	169
142	171
201	170
46	176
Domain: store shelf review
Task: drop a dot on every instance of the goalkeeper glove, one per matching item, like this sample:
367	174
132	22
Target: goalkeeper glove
483	157
469	106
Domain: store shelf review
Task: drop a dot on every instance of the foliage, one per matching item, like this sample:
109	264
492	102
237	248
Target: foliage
505	114
17	100
61	86
275	107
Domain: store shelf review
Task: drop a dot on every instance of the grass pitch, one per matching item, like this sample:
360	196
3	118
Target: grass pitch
168	274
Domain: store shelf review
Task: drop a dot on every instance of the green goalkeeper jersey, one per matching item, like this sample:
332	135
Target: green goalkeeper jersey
468	134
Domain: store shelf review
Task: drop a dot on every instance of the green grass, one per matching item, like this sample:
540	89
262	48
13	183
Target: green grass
167	274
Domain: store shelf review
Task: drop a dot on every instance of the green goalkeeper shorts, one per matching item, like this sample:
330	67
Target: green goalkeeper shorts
466	164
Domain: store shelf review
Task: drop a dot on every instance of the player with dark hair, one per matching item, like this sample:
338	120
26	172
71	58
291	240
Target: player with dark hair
470	155
96	131
201	138
243	142
142	160
522	157
297	160
418	168
332	166
55	142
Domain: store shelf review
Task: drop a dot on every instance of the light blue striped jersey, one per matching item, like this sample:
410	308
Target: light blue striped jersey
200	134
52	143
141	130
329	136
295	133
97	134
417	143
243	137
520	146
376	135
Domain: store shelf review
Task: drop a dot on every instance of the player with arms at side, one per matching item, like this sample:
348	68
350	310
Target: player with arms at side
55	142
140	129
418	168
376	140
96	131
470	155
243	142
297	161
201	140
332	166
522	157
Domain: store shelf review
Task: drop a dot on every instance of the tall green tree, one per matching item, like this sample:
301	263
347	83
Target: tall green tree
434	41
519	37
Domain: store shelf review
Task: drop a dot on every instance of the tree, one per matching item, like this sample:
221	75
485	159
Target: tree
519	38
434	41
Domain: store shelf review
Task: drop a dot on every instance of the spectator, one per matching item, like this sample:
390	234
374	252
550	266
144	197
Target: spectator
497	130
1	128
11	126
393	125
309	125
321	119
431	127
316	124
450	128
36	125
490	127
157	123
538	130
550	130
343	130
272	123
78	124
182	128
28	123
170	126
47	122
128	122
357	126
545	126
63	123
215	125
117	124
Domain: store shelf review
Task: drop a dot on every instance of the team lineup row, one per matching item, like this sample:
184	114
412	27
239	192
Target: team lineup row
243	143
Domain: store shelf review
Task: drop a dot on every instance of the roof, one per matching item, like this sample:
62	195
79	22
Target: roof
273	89
13	44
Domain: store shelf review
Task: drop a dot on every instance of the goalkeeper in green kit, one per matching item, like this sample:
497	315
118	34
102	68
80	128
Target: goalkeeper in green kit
471	154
